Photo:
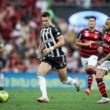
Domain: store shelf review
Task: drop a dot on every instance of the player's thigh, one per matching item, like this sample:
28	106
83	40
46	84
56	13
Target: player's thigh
84	62
102	69
92	62
62	73
44	68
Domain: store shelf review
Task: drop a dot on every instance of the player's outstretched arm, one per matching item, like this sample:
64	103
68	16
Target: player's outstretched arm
60	43
81	44
98	43
41	45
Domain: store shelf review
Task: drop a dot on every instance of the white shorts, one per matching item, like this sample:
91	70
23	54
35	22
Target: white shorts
105	66
92	60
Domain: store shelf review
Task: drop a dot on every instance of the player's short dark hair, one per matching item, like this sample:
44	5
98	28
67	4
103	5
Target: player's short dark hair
46	14
92	17
108	18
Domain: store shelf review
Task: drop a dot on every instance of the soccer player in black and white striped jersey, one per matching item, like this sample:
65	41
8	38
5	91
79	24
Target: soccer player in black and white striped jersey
52	56
2	64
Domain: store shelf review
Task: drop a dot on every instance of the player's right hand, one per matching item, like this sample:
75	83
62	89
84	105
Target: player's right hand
90	43
39	57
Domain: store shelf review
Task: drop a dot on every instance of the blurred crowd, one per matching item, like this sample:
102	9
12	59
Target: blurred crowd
83	3
79	2
20	22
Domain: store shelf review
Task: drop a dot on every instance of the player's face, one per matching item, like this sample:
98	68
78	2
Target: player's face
46	21
107	25
92	23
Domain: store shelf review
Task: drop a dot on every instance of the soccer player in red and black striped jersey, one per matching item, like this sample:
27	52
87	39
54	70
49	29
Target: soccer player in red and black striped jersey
89	52
104	64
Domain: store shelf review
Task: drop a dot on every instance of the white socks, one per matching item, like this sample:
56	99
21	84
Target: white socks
42	84
1	80
69	81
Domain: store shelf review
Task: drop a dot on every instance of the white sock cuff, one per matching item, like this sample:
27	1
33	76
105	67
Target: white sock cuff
69	81
40	74
65	81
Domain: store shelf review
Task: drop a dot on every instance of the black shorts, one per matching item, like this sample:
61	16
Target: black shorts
57	62
2	63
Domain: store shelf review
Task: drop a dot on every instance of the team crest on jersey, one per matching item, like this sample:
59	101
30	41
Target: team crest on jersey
56	29
95	36
86	34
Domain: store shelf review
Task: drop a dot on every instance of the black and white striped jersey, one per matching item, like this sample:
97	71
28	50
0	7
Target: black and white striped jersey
49	37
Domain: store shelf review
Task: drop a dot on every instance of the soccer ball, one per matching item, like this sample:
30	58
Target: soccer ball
3	96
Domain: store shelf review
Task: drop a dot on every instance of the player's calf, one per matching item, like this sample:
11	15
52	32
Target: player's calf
71	81
90	72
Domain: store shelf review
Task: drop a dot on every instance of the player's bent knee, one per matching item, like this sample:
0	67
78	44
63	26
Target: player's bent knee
100	73
98	76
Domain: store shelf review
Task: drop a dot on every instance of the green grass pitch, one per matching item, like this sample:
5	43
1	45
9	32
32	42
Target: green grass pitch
60	99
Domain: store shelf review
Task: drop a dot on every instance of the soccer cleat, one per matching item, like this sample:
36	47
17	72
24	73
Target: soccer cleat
103	100
77	84
87	91
41	100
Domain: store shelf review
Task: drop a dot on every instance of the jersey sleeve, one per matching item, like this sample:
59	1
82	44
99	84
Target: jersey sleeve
56	31
79	37
41	34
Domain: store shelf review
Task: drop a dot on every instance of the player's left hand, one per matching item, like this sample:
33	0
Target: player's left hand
46	51
90	43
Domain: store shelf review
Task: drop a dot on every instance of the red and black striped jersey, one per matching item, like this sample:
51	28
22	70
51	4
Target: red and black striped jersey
87	36
106	44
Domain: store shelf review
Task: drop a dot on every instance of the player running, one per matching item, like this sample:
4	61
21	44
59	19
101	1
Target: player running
104	64
2	64
51	41
88	51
